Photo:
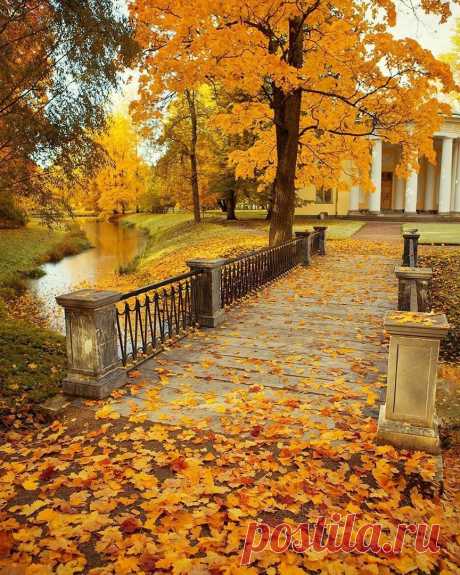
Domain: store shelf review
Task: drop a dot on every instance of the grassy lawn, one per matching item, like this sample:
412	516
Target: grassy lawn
32	365
24	250
337	229
436	233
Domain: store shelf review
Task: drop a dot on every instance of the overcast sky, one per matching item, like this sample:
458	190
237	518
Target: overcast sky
426	30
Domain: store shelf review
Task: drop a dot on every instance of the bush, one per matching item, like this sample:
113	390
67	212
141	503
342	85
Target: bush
10	215
74	242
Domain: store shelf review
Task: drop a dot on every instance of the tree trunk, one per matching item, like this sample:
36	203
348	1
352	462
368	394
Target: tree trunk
271	201
193	160
287	109
231	206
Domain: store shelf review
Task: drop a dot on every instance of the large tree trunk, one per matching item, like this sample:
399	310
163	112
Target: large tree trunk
231	205
287	109
193	160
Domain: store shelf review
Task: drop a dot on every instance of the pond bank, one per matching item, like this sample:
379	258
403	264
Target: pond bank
33	359
25	250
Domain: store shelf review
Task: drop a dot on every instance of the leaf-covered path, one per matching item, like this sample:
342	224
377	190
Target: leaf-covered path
271	417
314	334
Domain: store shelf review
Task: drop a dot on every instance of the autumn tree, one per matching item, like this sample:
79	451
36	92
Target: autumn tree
59	62
453	56
316	79
188	143
121	180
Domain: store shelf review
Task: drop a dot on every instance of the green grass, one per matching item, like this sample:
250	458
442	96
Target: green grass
336	229
32	365
157	226
23	250
436	233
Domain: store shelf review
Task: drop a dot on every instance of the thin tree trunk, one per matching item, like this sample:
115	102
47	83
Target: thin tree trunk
231	206
287	109
193	159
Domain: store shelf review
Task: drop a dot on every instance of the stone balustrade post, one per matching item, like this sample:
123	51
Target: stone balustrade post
408	418
423	279
305	255
322	239
207	295
408	236
94	366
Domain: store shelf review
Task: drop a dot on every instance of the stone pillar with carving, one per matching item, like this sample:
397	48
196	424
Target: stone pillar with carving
94	365
408	418
207	291
305	257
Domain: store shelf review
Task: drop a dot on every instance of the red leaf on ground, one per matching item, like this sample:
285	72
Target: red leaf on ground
6	543
148	562
47	473
130	525
178	464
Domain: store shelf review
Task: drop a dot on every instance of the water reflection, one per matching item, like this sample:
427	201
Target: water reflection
114	246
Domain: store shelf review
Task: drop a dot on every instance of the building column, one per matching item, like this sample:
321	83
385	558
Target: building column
457	186
354	200
430	187
399	194
445	176
410	206
376	176
455	152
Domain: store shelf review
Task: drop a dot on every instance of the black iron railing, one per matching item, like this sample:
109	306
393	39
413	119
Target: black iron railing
245	274
154	314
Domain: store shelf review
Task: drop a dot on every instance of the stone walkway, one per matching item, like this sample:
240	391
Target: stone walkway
380	232
315	337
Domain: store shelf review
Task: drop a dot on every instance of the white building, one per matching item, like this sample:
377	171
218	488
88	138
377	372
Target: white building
433	190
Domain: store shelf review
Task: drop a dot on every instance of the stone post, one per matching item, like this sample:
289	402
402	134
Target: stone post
408	418
207	291
423	279
408	236
95	369
305	255
322	239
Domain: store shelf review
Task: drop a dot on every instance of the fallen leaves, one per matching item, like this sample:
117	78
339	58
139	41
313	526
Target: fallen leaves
239	433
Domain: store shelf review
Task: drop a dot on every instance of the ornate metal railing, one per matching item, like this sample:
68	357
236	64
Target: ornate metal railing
127	328
154	314
245	274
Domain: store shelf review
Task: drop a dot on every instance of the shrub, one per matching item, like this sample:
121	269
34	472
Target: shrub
10	215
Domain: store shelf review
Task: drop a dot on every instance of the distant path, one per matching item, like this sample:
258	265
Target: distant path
379	232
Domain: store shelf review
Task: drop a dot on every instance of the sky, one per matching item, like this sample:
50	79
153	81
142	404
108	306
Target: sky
426	30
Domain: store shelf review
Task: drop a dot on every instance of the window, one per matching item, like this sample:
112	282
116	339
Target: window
323	195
